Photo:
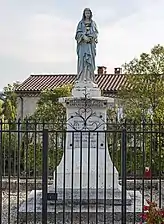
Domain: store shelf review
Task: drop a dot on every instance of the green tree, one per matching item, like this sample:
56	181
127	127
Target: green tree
143	94
142	99
9	104
49	108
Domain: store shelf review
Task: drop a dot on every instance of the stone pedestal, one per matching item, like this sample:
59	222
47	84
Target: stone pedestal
86	123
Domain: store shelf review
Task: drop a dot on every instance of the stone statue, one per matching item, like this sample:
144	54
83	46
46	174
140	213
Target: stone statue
86	37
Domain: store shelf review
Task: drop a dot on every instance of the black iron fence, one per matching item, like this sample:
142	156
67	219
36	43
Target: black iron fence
30	154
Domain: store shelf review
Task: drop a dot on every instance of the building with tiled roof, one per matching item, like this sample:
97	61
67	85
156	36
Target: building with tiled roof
28	91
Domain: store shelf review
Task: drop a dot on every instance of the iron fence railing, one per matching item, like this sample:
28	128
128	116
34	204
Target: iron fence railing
30	153
21	145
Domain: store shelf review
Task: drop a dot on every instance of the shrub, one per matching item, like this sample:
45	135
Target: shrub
33	159
152	214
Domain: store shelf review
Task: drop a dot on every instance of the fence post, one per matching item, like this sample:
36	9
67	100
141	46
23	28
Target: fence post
44	175
123	152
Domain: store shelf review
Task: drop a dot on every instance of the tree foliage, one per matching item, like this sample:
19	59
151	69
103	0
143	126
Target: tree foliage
49	108
143	104
142	96
9	104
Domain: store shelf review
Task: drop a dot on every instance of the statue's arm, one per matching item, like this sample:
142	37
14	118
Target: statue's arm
80	34
94	35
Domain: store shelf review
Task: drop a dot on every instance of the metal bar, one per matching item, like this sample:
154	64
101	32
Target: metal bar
110	131
81	149
151	158
35	159
18	168
113	158
109	123
135	157
105	157
143	163
15	158
123	208
131	157
160	165
97	175
64	154
44	176
88	173
9	171
1	153
4	142
26	167
72	178
56	160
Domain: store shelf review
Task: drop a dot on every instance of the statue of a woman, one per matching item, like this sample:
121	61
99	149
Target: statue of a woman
86	37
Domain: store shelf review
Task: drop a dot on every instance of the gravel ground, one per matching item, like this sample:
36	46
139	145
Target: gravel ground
22	197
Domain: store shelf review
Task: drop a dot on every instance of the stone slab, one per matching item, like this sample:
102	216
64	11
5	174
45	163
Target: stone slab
92	210
110	196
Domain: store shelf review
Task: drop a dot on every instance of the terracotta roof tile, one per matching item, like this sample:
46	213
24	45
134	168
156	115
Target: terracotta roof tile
37	83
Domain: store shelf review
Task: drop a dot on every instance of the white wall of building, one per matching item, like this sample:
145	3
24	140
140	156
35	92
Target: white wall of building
26	106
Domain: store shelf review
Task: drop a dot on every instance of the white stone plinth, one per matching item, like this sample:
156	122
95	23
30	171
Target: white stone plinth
95	171
86	143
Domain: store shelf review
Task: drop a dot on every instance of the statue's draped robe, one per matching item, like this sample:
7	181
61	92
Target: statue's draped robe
86	51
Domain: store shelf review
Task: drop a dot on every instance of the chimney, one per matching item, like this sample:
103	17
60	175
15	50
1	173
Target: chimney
118	70
101	70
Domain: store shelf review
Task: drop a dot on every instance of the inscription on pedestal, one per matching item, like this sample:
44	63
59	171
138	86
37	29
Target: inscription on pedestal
86	140
87	103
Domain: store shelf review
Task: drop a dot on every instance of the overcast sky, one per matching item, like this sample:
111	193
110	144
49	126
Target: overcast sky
37	36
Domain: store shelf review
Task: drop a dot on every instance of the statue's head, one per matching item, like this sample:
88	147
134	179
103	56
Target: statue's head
87	14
